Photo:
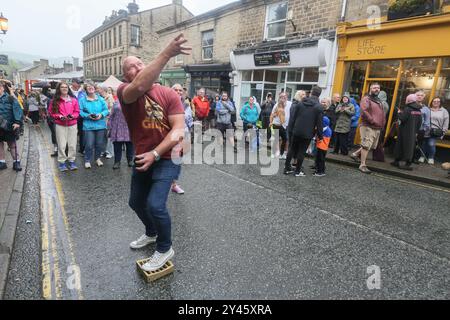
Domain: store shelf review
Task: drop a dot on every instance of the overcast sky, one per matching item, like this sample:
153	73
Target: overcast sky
53	28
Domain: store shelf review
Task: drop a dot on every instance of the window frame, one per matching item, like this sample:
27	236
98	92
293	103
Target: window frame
209	46
120	35
267	23
179	59
138	44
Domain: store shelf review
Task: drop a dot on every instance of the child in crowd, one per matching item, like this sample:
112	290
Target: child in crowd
322	148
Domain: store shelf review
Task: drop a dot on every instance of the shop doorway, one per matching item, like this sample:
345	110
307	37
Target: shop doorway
389	85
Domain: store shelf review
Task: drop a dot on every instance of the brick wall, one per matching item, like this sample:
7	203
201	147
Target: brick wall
312	18
226	29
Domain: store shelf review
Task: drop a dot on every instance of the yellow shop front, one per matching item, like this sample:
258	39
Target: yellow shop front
404	56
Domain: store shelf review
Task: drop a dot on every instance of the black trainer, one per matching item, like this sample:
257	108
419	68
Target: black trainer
395	164
3	166
16	166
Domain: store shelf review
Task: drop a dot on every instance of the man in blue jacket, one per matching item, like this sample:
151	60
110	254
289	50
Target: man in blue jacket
11	116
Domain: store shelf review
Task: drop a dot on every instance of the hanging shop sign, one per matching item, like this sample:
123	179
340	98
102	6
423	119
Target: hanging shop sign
281	58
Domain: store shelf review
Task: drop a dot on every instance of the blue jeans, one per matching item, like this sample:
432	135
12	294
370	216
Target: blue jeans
118	151
148	198
429	147
94	139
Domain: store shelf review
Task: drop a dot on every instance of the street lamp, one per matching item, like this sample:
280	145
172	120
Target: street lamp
3	23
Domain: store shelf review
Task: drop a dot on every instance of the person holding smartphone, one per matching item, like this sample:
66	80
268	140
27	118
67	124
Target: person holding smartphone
94	111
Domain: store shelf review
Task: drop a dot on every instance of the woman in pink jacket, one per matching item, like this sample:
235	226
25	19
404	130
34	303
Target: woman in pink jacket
64	109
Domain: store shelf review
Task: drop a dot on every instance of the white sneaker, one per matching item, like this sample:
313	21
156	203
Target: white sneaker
108	155
142	242
283	157
431	161
422	160
277	155
158	260
99	163
87	165
301	174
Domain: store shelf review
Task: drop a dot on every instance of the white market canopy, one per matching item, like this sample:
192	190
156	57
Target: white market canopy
112	82
67	75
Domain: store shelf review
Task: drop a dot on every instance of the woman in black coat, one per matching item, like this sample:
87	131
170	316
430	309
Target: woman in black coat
410	119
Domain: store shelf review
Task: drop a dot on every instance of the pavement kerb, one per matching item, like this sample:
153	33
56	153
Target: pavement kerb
444	182
9	227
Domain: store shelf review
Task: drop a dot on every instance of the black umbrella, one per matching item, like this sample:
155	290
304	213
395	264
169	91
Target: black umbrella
40	84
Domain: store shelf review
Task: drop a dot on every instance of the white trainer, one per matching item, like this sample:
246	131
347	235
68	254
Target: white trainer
99	163
158	260
431	161
87	165
142	242
422	160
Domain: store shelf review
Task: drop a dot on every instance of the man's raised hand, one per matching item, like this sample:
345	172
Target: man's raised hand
176	47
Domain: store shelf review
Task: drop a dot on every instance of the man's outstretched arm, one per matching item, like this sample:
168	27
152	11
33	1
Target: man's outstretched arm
147	77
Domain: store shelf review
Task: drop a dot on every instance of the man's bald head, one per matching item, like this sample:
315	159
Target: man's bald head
131	67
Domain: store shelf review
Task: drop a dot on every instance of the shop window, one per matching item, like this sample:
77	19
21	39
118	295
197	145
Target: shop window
384	69
418	74
215	82
276	21
295	75
311	75
247	75
207	45
283	77
197	82
355	76
269	88
135	36
256	91
271	76
258	75
443	87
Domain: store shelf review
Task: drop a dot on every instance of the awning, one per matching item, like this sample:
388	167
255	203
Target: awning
212	70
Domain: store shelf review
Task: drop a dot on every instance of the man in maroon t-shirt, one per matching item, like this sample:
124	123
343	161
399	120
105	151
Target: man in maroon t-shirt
155	118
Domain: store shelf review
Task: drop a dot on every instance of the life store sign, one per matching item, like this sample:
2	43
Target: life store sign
281	58
368	47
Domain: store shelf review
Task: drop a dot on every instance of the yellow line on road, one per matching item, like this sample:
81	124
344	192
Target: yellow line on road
46	279
61	198
54	251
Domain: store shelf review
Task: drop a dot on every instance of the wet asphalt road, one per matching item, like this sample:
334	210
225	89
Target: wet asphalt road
240	235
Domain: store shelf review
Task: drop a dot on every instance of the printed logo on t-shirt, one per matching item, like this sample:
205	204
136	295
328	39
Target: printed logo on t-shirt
155	116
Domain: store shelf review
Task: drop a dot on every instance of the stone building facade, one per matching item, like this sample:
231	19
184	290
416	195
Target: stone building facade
289	46
303	31
127	33
213	36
